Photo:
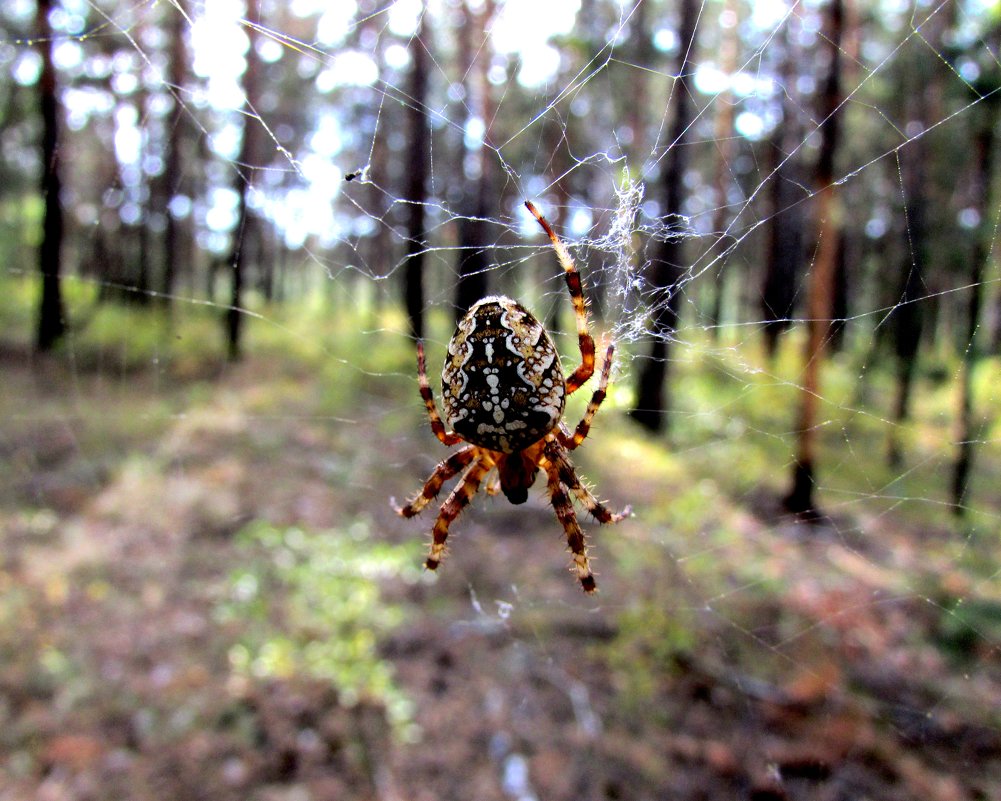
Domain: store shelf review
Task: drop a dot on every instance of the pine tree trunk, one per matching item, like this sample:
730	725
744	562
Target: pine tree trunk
785	234
478	190
650	409
249	151
170	181
418	151
800	499
723	137
51	320
984	163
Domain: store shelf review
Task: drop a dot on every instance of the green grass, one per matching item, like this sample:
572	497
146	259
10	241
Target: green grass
309	604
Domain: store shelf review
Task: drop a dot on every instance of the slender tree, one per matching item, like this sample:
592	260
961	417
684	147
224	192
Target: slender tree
170	179
249	152
51	320
800	499
724	144
667	267
478	187
784	243
984	145
418	159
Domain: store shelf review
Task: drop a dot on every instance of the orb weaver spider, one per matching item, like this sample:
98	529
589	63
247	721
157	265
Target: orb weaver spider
504	394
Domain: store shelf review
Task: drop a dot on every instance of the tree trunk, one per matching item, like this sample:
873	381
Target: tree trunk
800	499
51	320
478	190
249	150
984	165
724	141
667	268
170	181
784	248
418	160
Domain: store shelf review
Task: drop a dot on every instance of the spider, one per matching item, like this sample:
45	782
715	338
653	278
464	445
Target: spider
504	393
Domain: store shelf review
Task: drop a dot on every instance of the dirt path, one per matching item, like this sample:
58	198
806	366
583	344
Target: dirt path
116	680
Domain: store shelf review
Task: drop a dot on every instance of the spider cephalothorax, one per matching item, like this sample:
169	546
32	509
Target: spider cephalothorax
504	392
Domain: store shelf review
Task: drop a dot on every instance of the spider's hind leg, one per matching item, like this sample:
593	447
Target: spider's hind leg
568	477
563	506
457	500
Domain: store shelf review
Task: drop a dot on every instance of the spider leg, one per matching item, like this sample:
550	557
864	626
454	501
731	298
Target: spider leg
442	473
457	501
437	426
572	441
568	519
574	285
493	486
557	458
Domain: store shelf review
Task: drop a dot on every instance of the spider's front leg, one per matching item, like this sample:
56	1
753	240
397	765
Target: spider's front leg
437	426
572	441
574	285
457	501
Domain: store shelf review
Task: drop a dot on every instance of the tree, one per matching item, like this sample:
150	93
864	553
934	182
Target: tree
170	179
418	153
984	144
478	187
667	267
800	499
724	143
249	153
51	320
784	244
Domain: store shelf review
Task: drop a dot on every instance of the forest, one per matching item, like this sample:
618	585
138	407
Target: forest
740	261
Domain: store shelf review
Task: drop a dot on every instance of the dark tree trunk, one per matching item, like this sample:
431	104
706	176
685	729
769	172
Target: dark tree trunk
170	181
478	190
667	268
418	160
249	150
784	256
723	168
908	316
840	300
984	166
800	499
51	320
784	248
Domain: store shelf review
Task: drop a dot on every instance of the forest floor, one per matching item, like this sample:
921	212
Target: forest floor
731	653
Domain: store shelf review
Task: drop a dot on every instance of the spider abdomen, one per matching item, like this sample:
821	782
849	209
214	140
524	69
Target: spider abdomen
503	386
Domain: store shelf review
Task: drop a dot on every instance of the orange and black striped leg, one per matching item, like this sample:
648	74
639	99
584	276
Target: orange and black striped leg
437	426
576	288
442	473
571	441
575	537
457	501
568	477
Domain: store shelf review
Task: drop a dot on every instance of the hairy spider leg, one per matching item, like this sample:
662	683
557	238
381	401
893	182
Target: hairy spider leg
568	519
437	426
453	506
574	285
572	441
557	457
442	473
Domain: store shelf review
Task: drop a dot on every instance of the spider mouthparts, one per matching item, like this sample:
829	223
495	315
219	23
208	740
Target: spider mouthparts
516	494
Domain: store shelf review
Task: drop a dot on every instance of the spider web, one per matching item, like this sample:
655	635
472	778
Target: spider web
572	107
